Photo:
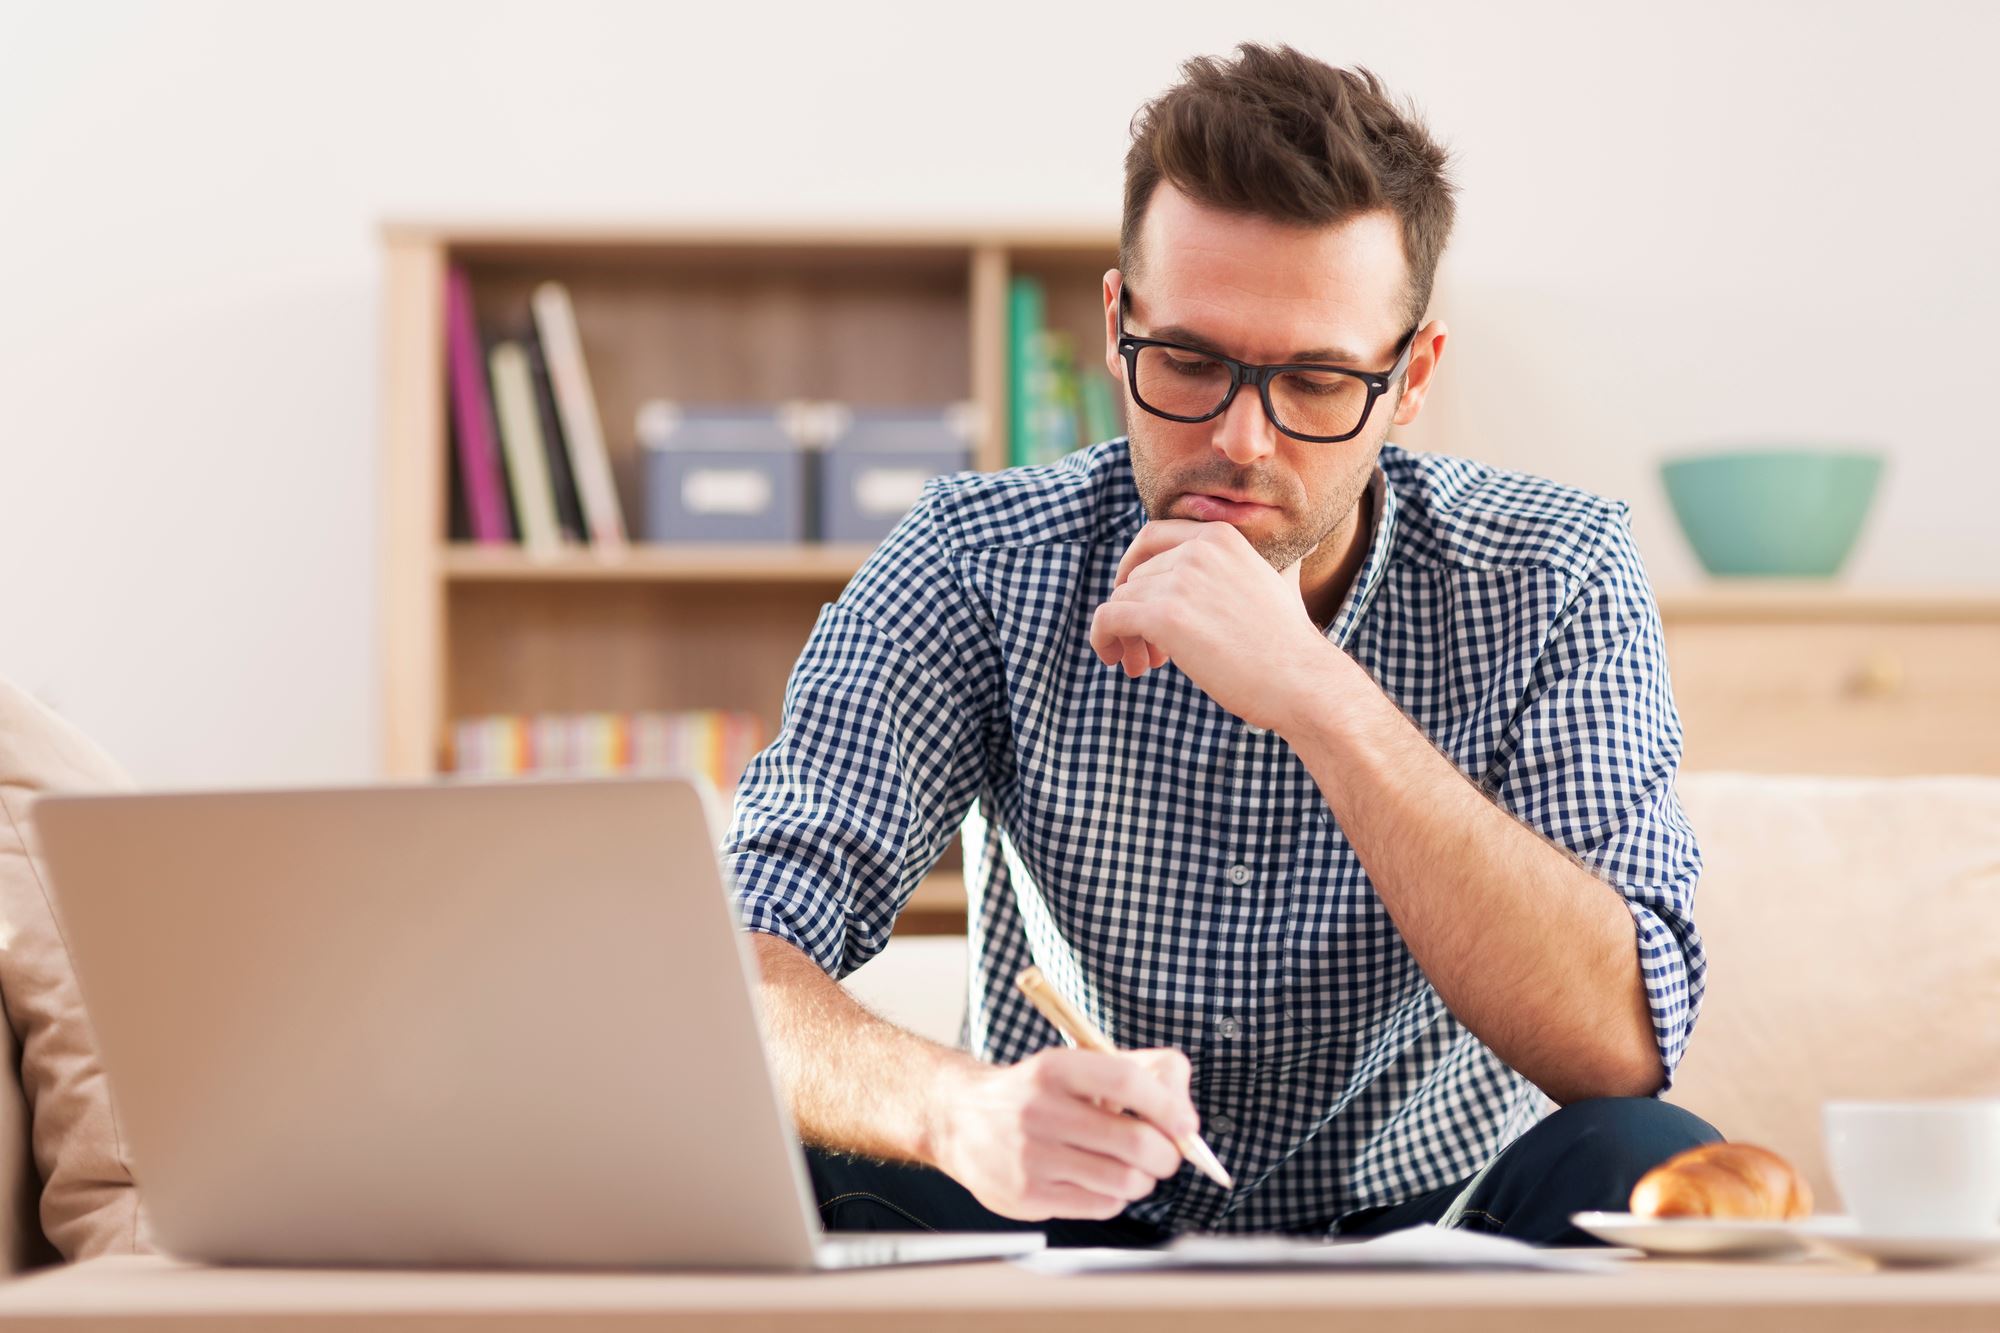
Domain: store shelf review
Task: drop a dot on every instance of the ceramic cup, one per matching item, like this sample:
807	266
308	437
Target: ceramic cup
1912	1168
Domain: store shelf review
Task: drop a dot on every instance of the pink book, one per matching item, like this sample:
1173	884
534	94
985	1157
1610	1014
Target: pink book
472	415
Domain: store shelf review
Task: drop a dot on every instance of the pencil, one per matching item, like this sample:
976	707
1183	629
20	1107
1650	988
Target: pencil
1079	1029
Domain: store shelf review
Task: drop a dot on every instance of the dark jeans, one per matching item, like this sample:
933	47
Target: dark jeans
1586	1156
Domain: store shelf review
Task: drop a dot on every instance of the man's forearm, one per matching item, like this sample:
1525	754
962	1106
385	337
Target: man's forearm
1532	952
855	1082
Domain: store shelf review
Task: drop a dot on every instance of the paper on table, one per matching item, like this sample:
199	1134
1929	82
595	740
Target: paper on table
1412	1247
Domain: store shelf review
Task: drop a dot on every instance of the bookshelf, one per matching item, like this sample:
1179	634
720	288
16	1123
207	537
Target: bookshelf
886	317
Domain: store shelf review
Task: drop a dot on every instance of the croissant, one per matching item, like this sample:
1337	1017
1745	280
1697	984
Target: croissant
1733	1180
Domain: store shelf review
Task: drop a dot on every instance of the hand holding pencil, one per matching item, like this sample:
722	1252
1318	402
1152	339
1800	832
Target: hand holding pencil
1077	1026
1068	1132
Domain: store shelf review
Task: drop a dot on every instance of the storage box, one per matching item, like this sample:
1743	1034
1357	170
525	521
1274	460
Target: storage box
878	460
720	474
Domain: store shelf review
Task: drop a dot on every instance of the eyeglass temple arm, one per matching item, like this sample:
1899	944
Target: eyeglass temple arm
1409	350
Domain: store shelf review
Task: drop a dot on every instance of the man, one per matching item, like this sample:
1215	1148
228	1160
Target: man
1336	781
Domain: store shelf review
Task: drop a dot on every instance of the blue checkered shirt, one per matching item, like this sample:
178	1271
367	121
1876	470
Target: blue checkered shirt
1177	872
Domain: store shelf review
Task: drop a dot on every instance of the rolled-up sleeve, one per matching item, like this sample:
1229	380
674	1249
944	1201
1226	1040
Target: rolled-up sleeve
1590	761
880	754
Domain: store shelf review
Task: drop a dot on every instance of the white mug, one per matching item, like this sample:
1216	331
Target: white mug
1917	1167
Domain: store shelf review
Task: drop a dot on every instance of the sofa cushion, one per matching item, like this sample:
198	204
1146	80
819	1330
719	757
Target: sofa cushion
1851	926
22	1244
88	1203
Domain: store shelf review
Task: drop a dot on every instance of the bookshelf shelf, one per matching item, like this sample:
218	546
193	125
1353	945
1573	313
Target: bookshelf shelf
937	907
470	563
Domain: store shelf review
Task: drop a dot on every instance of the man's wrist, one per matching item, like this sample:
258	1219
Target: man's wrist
943	1094
1313	709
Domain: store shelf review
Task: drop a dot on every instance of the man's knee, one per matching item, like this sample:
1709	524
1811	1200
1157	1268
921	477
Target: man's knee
1586	1156
1625	1137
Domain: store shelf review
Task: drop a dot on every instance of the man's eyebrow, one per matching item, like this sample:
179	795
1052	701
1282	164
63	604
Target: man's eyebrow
1179	333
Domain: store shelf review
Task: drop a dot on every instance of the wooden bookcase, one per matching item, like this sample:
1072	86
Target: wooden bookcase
886	318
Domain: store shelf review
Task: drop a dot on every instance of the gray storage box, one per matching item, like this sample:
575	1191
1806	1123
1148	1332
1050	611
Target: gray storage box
876	465
723	474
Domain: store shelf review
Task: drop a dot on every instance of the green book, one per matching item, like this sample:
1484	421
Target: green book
1100	409
1061	415
1026	304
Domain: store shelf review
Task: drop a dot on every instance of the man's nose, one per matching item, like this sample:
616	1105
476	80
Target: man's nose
1243	433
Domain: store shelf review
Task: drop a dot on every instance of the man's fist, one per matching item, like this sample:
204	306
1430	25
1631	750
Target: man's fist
1049	1137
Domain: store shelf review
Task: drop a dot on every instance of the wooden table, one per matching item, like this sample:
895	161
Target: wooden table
133	1292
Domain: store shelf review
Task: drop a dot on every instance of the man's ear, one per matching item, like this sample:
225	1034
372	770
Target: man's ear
1424	358
1114	283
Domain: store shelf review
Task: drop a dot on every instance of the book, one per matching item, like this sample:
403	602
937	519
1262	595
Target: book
562	480
521	440
1026	302
576	405
1056	398
472	415
715	743
458	521
1100	407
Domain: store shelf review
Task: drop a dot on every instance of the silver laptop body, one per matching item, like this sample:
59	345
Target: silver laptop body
461	1024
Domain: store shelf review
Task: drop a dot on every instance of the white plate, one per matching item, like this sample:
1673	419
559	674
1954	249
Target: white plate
1686	1236
1841	1233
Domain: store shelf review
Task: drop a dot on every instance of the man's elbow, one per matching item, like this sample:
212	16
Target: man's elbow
1647	1077
1618	1074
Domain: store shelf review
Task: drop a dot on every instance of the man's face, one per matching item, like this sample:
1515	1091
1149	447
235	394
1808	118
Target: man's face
1263	292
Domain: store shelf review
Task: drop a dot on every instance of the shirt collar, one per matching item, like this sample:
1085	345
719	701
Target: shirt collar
1362	589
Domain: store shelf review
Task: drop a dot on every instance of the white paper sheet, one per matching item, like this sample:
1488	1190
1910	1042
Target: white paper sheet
1414	1247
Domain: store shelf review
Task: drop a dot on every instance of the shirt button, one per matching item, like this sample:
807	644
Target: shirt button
1228	1028
1257	731
1239	875
1219	1125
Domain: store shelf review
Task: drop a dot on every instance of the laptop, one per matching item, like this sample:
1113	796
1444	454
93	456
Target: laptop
441	1025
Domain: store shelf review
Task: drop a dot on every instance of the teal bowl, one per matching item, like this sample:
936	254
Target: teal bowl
1772	513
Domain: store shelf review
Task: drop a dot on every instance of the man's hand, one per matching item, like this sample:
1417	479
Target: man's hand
1048	1138
1198	594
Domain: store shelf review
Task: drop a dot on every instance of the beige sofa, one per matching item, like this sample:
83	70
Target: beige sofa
1853	927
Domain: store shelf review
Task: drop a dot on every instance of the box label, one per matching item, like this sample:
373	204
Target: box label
737	492
885	492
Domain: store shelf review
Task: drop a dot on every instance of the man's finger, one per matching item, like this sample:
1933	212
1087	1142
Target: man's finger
1062	1199
1138	658
1096	1172
1154	565
1156	537
1168	1064
1128	1138
1114	622
1129	1085
1142	588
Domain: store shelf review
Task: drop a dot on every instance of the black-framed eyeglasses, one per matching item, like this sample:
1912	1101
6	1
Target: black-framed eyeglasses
1316	403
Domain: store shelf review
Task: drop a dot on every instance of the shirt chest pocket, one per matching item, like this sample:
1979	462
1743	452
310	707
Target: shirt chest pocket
1346	967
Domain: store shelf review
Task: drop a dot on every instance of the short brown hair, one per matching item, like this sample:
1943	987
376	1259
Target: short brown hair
1280	135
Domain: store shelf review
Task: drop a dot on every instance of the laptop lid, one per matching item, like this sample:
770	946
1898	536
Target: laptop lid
453	1024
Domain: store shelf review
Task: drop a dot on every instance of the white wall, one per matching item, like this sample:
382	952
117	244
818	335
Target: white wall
1679	226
